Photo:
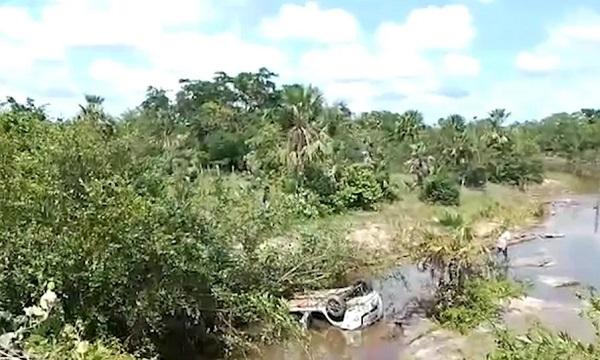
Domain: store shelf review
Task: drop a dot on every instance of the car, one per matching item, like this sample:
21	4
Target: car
350	308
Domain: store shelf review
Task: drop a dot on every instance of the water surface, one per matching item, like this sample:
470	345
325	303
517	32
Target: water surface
575	256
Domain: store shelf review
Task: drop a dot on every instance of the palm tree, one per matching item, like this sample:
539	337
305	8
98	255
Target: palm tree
93	106
305	140
94	112
409	124
454	123
420	164
498	117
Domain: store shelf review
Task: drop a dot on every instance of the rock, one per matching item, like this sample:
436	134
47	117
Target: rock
533	261
521	238
558	281
565	202
436	344
423	339
393	331
531	305
553	235
373	238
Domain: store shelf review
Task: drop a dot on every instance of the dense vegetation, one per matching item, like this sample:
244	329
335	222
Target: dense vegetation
170	230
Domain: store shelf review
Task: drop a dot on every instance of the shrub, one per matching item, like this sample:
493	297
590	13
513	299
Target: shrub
479	300
451	219
359	187
475	177
323	185
168	271
517	170
543	343
440	190
69	345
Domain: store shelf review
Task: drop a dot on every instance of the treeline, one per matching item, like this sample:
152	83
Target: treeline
170	228
570	141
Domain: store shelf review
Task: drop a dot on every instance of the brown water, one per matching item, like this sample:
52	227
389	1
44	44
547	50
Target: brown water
575	256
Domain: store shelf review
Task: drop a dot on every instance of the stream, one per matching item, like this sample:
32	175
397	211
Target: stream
551	299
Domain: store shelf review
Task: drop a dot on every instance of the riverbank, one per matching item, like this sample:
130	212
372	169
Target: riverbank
382	237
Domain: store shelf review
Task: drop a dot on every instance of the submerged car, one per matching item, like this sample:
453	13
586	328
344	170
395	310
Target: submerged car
350	308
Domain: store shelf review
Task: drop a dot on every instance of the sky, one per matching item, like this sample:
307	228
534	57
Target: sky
533	57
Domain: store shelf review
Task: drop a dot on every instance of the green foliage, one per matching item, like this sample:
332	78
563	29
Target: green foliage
150	260
468	288
440	189
475	177
69	345
541	343
451	219
479	300
323	184
359	187
545	344
170	229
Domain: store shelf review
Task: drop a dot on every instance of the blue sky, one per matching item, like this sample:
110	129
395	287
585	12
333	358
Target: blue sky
532	57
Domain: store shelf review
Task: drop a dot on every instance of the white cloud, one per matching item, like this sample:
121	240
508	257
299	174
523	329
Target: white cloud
167	34
583	32
220	52
567	58
15	22
432	27
400	68
116	22
360	94
173	58
355	61
406	65
65	24
534	63
310	22
132	82
459	64
569	46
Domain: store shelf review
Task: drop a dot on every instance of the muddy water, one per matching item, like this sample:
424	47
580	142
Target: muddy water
400	290
575	256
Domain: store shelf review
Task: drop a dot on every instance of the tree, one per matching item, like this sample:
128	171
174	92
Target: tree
408	126
38	112
93	111
455	146
498	117
305	141
421	164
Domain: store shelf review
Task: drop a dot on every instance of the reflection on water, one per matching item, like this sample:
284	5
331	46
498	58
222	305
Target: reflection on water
400	291
574	256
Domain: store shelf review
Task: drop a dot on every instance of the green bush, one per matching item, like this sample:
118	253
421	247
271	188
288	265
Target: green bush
475	177
546	344
168	266
440	190
70	346
517	171
324	185
359	187
479	300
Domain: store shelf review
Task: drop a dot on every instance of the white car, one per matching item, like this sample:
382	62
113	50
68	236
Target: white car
350	308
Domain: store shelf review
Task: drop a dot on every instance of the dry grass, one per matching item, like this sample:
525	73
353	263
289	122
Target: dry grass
383	234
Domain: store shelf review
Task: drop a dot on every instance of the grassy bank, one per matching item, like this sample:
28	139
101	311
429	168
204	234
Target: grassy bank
382	237
399	232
